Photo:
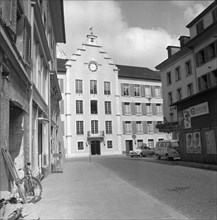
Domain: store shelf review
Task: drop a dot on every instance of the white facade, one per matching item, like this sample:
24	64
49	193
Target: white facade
92	105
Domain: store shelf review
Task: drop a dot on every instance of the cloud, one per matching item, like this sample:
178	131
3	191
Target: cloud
191	9
125	45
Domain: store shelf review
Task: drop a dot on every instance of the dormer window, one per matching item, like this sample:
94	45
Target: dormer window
200	27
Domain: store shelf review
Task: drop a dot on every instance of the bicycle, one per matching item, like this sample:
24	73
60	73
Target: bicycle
32	186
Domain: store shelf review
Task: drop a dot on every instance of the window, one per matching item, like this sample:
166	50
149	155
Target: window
171	116
169	81
127	108
93	107
80	127
159	109
80	145
212	51
170	98
108	127
148	109
188	68
200	27
107	88
94	127
151	143
137	91
147	91
201	57
61	107
79	107
190	89
93	87
203	82
61	85
139	143
158	93
214	78
108	107
128	127
109	144
126	89
139	127
150	126
78	86
178	73
138	108
214	15
179	94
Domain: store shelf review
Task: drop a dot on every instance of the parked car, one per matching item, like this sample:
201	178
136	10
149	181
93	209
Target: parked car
142	151
168	149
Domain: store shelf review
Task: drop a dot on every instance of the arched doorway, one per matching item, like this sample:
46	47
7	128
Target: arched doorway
95	147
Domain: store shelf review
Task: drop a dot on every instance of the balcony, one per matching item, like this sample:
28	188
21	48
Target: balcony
99	135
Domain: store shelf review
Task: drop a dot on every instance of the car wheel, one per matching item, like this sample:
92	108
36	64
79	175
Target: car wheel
168	157
131	156
158	157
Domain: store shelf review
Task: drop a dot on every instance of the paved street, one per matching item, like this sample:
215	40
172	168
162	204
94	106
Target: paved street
189	190
90	191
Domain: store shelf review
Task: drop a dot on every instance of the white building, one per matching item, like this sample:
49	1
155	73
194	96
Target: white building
98	117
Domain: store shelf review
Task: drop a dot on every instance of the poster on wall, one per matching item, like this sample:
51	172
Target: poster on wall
189	143
196	143
187	118
210	142
181	119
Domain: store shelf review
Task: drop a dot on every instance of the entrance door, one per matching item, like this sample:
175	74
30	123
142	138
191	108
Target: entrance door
95	147
129	146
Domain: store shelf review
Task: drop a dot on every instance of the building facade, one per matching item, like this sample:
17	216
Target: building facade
98	117
192	68
29	31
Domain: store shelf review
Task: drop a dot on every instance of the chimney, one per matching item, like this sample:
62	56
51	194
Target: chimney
183	40
171	50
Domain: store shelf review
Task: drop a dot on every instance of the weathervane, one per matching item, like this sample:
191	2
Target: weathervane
91	29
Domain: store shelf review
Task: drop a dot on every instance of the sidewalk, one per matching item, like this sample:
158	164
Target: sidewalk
89	191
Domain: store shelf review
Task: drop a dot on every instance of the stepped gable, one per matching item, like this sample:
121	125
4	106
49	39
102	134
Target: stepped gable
138	72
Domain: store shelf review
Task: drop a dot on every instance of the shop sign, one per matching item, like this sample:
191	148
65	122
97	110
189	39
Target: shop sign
198	110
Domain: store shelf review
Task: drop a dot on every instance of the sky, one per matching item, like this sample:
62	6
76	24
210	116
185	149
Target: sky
133	33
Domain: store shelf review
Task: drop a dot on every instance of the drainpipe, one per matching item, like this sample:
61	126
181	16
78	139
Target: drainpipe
31	89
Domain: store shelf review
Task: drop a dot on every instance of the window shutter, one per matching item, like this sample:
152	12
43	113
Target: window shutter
154	108
123	109
197	59
131	90
124	130
161	92
200	86
142	90
206	52
153	91
27	42
9	14
122	89
134	127
132	104
154	125
145	127
209	79
143	108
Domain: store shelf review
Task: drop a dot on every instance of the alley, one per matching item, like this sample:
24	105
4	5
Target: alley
90	191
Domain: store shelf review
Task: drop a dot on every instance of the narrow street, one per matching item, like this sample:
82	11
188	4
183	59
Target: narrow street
121	187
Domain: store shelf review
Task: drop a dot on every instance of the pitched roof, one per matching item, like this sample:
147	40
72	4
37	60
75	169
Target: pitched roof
138	72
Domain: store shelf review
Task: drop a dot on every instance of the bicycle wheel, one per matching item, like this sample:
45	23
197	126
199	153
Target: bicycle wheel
32	188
